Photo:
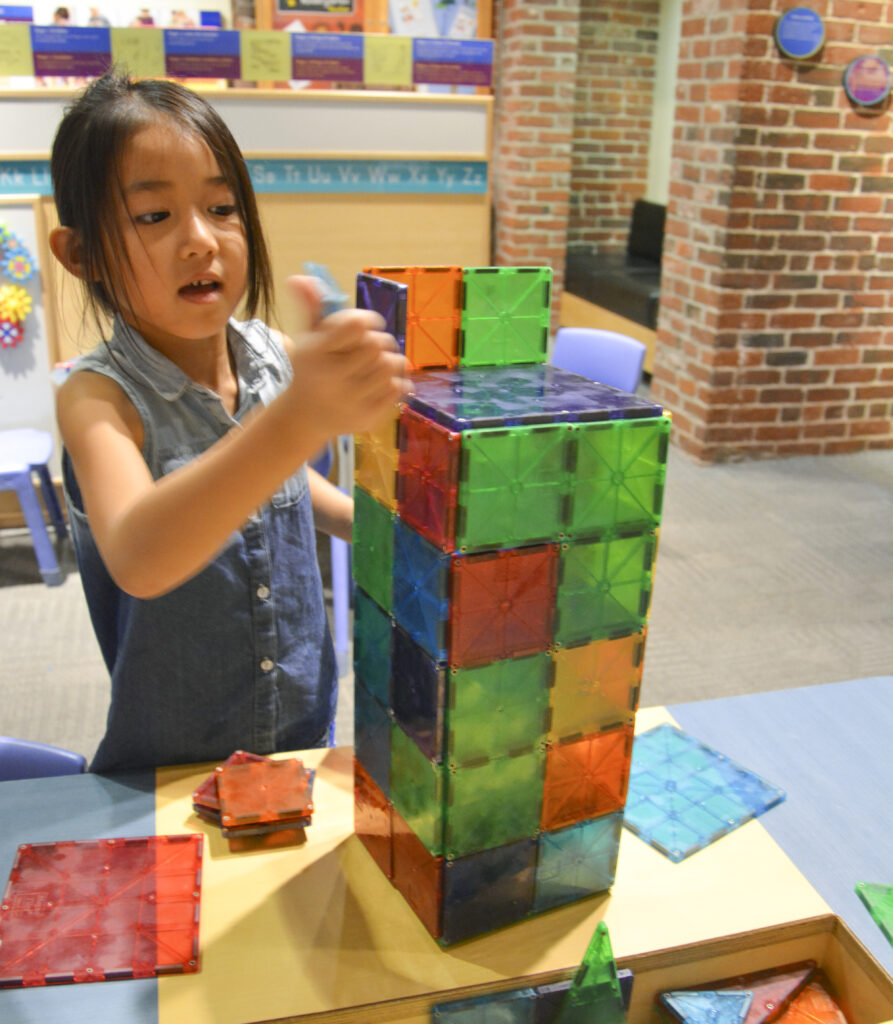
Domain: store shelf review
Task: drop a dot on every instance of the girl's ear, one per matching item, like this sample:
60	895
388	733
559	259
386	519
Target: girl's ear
66	246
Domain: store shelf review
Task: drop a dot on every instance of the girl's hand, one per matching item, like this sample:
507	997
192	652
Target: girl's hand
348	371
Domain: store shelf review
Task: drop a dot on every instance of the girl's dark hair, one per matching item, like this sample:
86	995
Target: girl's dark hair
85	167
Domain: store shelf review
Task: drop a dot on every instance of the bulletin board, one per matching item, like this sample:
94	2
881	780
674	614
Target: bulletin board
26	392
26	395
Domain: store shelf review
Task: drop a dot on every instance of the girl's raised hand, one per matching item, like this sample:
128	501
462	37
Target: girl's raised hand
348	371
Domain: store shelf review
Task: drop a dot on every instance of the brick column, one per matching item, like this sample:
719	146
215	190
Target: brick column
776	330
533	133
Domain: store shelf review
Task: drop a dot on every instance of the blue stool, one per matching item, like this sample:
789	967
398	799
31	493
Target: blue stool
340	563
605	356
27	759
23	452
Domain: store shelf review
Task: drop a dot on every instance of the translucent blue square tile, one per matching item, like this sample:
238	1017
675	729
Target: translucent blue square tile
487	890
707	1007
372	736
372	645
421	601
577	861
388	298
418	694
515	1007
495	396
683	795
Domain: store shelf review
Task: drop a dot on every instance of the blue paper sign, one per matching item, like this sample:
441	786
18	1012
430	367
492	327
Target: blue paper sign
452	61
202	53
16	12
64	50
327	56
800	33
326	44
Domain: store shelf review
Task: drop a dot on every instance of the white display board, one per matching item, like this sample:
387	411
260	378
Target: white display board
266	122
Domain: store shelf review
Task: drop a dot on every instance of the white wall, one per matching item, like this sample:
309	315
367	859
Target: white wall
664	101
121	14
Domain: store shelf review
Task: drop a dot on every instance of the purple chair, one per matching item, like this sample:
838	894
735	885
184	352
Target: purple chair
23	453
27	759
604	356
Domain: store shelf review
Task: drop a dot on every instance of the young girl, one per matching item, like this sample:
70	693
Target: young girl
186	436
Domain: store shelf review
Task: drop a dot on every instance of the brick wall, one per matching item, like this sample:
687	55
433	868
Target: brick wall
776	329
533	132
612	118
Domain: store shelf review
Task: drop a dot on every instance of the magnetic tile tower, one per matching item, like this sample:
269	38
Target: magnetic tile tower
504	542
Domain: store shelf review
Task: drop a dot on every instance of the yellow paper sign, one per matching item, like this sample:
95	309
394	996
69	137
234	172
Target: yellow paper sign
140	51
16	57
266	56
387	60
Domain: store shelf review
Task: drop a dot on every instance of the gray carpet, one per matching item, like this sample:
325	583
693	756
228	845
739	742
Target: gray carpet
769	575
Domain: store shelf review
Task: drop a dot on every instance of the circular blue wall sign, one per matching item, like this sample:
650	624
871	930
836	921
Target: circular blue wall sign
867	80
799	33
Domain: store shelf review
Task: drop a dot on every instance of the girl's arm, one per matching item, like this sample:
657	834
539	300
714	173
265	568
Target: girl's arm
155	535
332	508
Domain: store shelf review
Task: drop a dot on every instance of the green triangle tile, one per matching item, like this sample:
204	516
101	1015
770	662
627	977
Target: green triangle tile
595	991
879	901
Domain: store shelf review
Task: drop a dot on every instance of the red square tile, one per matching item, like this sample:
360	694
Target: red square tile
428	478
502	604
417	875
372	818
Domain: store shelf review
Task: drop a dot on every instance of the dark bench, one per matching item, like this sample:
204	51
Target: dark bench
626	283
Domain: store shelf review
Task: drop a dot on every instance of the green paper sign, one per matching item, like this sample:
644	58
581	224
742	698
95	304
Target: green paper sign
266	56
16	57
139	50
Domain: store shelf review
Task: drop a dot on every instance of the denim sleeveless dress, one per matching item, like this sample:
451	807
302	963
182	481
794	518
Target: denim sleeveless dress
239	656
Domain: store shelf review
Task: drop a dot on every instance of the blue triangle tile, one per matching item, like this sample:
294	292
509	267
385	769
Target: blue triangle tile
708	1007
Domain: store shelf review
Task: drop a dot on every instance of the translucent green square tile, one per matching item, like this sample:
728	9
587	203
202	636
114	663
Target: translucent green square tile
604	587
619	470
373	548
505	315
512	485
497	709
417	790
494	803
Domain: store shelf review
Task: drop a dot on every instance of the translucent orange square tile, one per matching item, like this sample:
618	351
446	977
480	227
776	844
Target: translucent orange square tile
586	777
433	313
263	791
596	686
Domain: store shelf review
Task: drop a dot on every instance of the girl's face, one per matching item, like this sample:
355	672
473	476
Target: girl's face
184	241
